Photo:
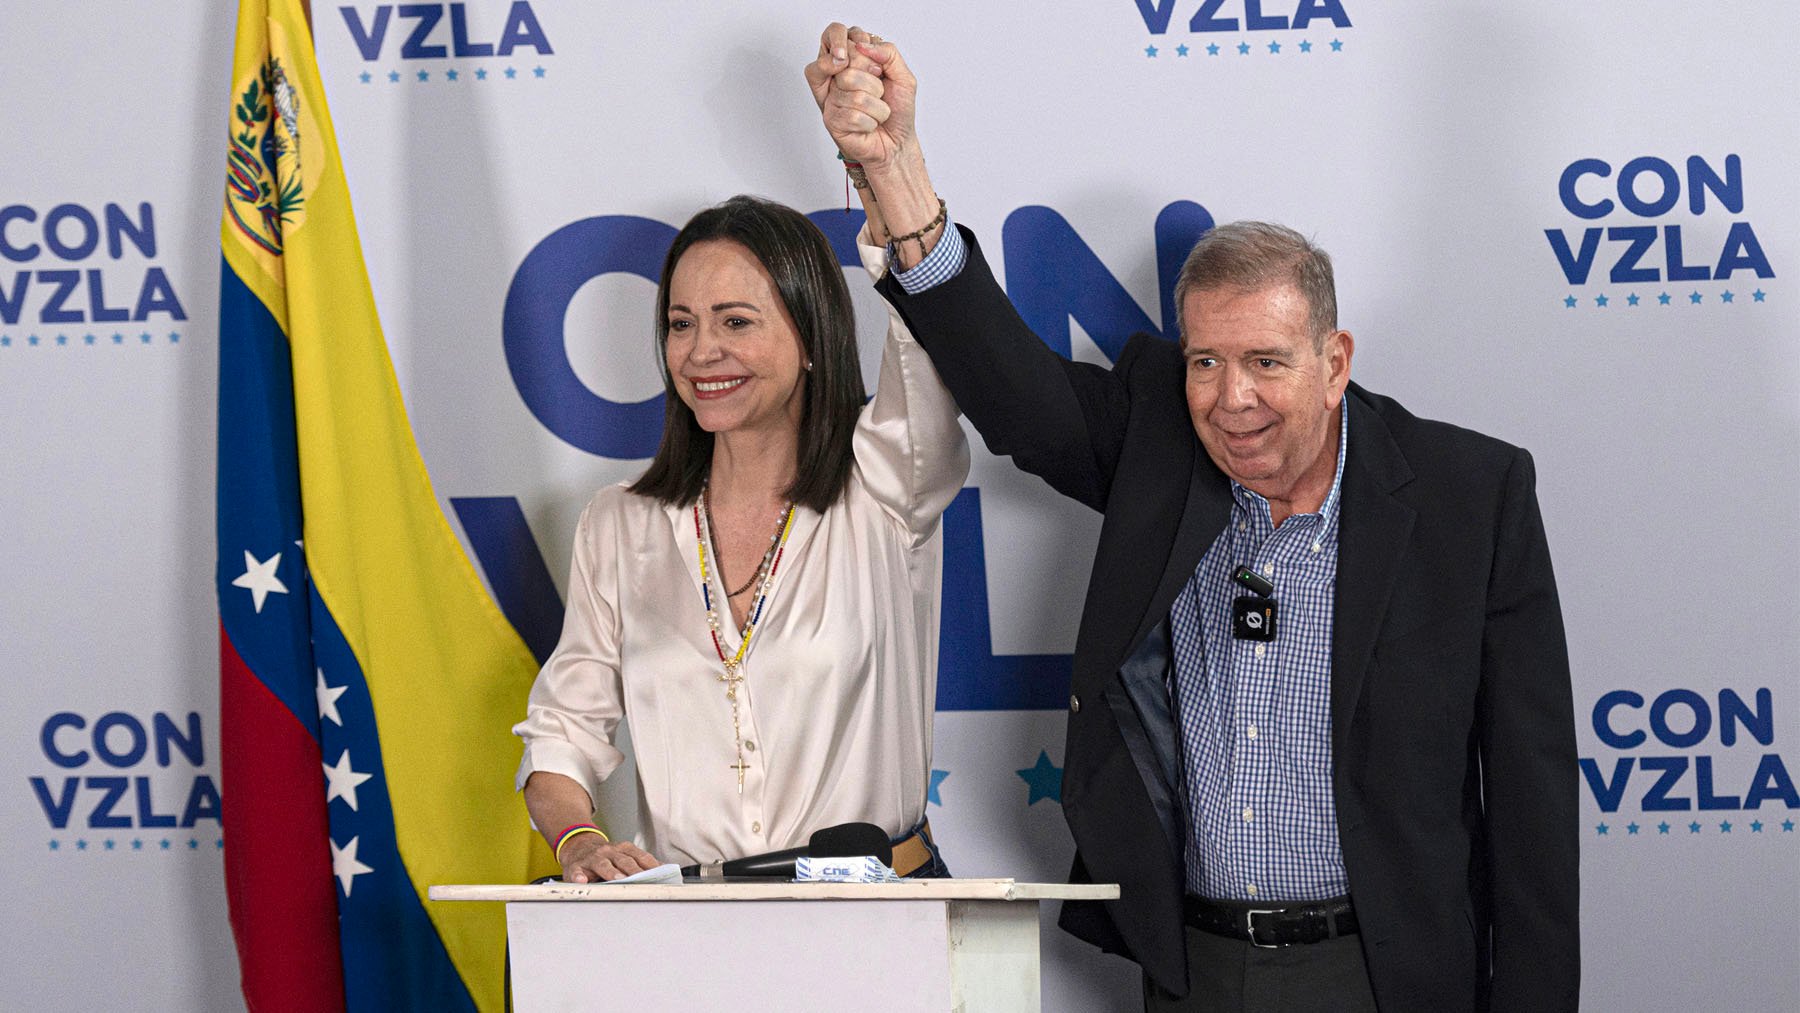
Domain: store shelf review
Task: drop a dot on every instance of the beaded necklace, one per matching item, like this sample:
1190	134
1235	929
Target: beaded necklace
765	576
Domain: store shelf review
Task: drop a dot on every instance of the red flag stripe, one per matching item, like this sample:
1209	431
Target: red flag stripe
277	857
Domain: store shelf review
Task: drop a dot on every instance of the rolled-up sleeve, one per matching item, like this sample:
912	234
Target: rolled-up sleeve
578	697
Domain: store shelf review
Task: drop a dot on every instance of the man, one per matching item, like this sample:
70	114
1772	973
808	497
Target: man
1320	729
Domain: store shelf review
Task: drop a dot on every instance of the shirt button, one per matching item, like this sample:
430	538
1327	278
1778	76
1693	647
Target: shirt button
1242	526
1268	569
1251	732
1251	889
756	828
1315	546
749	747
1261	649
1249	814
1074	704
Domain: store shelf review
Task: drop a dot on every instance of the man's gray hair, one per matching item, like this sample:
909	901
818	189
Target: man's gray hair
1256	255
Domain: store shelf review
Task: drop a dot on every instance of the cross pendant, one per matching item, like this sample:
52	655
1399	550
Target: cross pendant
740	767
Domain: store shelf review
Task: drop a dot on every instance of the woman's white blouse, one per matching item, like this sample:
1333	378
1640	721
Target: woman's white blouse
840	684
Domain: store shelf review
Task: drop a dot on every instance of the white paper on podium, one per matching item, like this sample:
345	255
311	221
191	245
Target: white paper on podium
668	872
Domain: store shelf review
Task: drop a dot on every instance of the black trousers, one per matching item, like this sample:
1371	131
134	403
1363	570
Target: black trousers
1229	976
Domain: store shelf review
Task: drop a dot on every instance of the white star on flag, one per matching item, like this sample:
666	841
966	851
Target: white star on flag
341	781
328	698
260	578
345	866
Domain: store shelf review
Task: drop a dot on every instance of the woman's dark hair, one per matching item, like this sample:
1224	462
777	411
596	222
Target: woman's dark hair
811	284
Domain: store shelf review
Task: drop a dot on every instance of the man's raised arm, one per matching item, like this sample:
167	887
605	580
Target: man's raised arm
1062	421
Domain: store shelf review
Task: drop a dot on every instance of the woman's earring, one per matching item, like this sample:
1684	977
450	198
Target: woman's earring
809	365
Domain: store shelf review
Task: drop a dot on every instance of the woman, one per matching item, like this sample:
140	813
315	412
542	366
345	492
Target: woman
761	605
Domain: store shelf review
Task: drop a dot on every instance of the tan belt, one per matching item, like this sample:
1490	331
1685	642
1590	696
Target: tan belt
912	853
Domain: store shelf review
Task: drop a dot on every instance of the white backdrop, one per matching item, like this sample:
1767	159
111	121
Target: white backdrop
1425	145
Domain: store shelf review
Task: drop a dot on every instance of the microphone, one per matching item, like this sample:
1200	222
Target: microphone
846	840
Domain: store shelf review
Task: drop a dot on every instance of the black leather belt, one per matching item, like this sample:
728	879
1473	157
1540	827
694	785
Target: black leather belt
1288	925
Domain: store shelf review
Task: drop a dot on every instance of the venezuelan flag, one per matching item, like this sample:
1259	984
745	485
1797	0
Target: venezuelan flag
367	682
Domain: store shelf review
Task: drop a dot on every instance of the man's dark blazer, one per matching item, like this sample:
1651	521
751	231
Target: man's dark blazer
1453	743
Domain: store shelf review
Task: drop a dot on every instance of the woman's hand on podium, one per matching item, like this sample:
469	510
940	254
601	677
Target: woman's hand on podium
591	858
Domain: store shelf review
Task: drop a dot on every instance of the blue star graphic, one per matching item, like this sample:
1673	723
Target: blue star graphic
1150	51
1045	779
1212	49
1756	826
6	342
1243	49
1631	300
931	793
1725	296
1757	295
193	845
424	75
109	845
1600	300
537	72
87	339
1724	826
450	74
1663	299
365	77
32	341
1694	298
137	845
62	339
1662	828
1631	828
1305	46
1337	46
1274	47
1693	828
165	844
118	339
55	845
1569	301
1181	50
80	845
219	843
1601	829
393	75
1787	826
481	73
144	337
174	337
511	73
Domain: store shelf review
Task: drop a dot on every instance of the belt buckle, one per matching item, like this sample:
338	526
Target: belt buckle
1250	928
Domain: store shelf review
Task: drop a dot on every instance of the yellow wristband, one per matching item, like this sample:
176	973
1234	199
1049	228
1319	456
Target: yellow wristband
576	831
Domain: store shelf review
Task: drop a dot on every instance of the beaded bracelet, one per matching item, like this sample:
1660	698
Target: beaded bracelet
575	831
857	178
919	236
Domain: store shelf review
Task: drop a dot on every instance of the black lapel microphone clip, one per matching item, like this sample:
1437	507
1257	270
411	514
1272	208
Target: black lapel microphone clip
1253	615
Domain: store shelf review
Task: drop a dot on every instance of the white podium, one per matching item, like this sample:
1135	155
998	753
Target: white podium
968	945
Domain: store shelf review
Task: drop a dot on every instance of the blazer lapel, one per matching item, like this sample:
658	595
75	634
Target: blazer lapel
1373	528
1203	516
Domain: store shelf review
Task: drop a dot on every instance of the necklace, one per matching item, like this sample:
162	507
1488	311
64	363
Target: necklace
765	576
706	502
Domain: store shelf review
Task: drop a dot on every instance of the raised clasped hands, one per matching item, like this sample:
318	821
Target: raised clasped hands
865	94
